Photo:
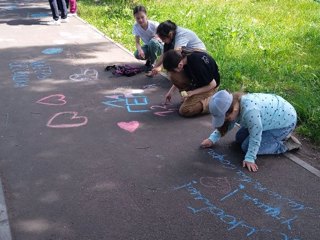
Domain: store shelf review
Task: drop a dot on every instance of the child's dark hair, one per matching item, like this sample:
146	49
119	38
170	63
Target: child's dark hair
165	28
139	8
172	57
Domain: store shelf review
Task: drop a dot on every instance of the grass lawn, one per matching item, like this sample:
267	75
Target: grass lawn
260	45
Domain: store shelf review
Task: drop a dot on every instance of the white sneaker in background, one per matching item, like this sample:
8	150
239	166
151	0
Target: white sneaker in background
65	20
54	22
72	14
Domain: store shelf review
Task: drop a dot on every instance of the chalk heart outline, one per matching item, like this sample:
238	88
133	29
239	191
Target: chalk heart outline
73	117
53	100
129	126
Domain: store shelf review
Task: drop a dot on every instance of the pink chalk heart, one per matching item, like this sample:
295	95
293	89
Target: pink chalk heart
72	118
129	126
53	100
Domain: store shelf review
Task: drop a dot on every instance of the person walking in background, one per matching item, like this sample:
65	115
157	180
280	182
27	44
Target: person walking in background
145	30
73	7
266	123
54	6
175	37
196	75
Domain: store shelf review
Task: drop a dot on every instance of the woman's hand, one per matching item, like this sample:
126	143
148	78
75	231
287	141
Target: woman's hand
207	143
154	71
168	97
252	167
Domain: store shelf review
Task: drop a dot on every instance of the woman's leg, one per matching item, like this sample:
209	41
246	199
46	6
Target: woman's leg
54	9
196	104
64	10
272	141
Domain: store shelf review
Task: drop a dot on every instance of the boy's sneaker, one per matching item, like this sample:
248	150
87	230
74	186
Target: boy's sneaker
54	22
65	20
292	143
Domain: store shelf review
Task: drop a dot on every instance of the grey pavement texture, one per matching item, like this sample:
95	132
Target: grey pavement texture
87	155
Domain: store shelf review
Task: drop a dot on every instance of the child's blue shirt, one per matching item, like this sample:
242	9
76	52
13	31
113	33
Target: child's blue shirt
261	112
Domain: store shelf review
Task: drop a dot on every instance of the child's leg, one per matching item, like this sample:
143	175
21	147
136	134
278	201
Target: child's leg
155	49
73	6
241	135
272	141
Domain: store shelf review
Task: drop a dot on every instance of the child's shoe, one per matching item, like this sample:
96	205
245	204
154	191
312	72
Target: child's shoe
292	143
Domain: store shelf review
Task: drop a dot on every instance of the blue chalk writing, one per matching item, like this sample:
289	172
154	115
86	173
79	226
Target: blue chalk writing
51	51
20	73
242	177
39	15
220	158
234	222
132	103
41	69
233	192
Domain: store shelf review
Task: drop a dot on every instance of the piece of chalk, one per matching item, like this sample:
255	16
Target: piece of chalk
184	94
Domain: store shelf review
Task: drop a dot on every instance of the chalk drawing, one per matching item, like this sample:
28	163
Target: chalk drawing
53	100
166	111
221	184
41	69
72	117
20	73
39	15
243	177
129	126
132	104
233	222
52	51
85	75
241	186
149	86
270	210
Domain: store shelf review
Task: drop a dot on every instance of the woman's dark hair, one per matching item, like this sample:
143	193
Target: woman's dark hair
172	58
165	28
139	8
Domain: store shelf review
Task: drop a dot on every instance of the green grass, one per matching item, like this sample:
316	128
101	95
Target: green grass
260	45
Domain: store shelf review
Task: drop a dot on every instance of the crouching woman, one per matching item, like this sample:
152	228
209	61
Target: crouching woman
196	75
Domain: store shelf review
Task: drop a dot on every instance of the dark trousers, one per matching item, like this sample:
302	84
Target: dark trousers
54	5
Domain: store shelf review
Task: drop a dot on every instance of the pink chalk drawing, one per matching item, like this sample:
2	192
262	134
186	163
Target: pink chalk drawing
72	117
53	100
221	184
129	126
163	113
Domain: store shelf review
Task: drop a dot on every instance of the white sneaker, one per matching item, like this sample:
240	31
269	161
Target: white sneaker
54	22
72	14
65	20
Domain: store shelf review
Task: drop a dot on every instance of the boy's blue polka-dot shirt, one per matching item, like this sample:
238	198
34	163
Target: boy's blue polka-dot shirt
261	112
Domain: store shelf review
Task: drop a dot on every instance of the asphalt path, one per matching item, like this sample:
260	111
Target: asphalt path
87	155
